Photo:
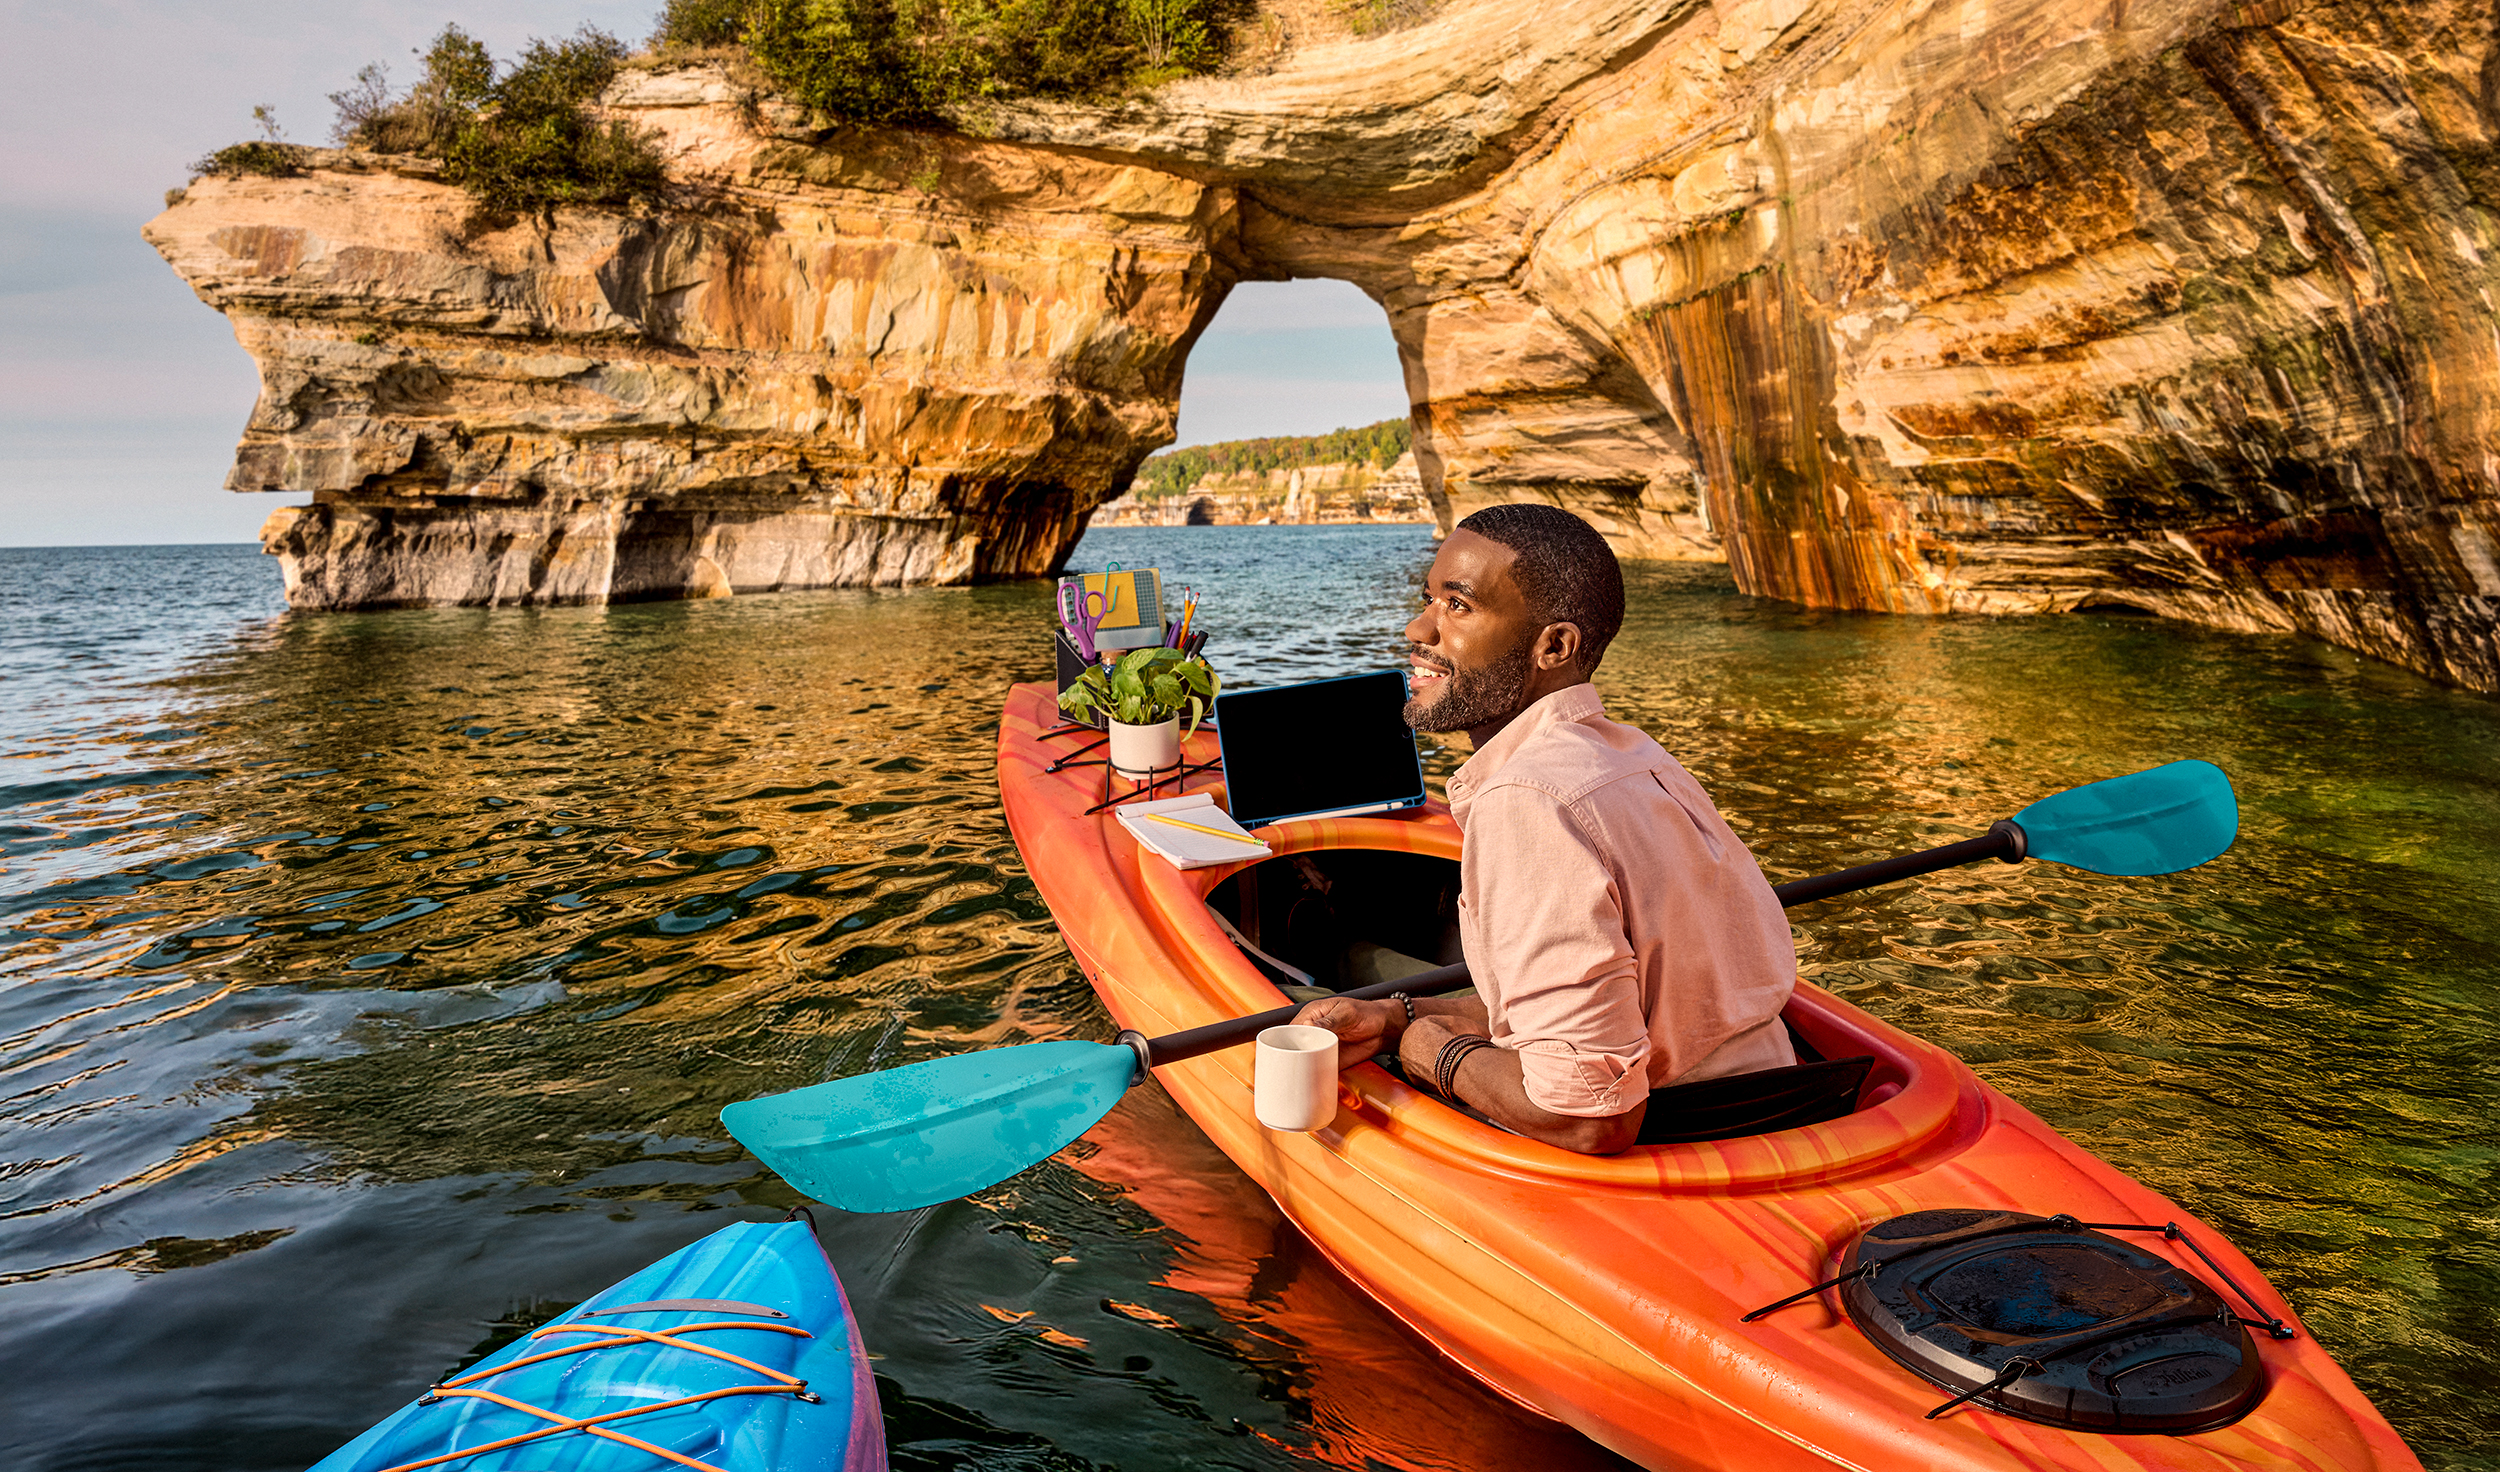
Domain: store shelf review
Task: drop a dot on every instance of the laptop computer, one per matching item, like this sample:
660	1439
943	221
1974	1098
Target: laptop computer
1323	749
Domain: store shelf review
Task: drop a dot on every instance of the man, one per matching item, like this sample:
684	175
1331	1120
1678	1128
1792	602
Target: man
1620	938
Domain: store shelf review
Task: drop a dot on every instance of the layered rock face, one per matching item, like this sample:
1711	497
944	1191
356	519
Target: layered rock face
897	360
1923	306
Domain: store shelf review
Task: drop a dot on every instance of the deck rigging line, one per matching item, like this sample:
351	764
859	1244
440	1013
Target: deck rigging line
468	1387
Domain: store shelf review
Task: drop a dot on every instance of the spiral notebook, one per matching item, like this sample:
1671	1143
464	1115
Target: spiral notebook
1211	837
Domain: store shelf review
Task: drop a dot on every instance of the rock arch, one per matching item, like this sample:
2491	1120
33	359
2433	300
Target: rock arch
1909	305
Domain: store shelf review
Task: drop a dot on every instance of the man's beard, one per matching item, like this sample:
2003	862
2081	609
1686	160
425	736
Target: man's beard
1473	698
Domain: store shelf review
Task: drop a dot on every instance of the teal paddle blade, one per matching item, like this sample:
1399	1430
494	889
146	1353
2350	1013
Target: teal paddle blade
933	1131
2157	822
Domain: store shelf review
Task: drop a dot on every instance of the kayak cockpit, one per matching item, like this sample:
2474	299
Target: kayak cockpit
1333	916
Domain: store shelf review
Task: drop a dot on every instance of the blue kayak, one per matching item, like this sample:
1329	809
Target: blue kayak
737	1354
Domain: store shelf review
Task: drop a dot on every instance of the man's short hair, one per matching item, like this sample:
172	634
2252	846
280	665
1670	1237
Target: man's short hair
1564	569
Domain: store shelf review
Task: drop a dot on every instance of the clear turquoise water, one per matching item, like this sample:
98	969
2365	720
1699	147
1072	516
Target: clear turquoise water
369	983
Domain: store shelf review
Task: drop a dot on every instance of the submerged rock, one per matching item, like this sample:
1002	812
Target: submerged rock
1926	306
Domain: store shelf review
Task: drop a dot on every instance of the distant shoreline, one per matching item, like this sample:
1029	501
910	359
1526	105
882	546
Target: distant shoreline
117	546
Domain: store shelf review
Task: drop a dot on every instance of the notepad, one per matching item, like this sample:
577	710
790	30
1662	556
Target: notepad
1187	848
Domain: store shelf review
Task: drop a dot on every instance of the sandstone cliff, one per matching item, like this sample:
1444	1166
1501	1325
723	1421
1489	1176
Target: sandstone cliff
1916	305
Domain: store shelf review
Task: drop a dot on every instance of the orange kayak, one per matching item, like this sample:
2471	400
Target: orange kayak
1609	1293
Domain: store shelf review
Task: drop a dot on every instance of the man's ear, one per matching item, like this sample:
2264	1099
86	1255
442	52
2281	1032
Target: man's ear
1557	646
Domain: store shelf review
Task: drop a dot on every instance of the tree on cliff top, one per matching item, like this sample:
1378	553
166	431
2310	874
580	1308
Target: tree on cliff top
912	60
526	139
521	140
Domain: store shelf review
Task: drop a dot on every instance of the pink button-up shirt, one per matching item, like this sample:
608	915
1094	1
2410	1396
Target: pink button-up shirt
1621	937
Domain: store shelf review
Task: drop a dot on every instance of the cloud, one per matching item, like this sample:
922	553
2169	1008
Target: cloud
121	395
126	483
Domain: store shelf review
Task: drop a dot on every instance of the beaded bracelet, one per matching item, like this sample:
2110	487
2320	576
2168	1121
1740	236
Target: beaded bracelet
1453	1055
1406	1001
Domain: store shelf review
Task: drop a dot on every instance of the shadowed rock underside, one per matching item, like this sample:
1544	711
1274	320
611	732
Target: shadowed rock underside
1956	306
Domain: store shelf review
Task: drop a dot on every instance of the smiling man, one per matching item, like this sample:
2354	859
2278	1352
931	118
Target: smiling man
1620	938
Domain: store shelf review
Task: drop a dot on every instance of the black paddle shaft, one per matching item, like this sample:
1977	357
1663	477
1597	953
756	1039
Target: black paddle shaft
1215	1037
2004	841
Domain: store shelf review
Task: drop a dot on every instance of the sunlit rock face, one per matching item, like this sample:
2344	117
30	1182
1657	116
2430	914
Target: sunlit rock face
1968	305
880	360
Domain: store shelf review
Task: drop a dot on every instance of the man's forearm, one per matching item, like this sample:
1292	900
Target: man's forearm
1466	1014
1490	1081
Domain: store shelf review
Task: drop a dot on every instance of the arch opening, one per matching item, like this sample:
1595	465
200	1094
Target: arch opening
1293	410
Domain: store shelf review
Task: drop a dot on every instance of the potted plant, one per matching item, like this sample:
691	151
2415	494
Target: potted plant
1143	696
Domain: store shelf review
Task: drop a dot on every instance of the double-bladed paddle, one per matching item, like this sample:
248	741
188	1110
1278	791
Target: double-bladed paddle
932	1131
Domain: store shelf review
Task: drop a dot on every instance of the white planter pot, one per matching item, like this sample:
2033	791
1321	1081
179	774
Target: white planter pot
1138	752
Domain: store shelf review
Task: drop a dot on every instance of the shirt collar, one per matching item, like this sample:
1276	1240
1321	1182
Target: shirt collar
1572	703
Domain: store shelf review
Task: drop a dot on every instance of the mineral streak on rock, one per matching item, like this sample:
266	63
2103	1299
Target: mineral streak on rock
1908	305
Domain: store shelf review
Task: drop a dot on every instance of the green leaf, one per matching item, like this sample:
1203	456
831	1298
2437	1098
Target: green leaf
1146	687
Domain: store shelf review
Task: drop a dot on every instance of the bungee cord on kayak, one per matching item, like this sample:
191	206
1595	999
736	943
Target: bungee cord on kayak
796	1399
472	1385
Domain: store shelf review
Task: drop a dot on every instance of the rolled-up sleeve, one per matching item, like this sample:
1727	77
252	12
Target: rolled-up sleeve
1569	983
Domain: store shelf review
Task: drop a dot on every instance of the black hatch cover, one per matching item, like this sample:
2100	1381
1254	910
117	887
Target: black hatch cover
2040	1318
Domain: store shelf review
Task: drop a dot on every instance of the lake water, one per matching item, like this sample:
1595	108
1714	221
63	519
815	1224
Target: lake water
370	983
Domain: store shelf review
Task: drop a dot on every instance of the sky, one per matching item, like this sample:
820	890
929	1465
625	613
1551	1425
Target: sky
122	395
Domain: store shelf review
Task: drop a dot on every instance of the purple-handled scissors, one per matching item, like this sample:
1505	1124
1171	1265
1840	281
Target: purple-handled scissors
1082	614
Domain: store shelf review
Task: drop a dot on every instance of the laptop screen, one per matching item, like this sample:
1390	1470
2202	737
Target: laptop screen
1297	751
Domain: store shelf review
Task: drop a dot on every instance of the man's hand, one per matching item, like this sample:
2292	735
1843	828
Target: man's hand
1362	1028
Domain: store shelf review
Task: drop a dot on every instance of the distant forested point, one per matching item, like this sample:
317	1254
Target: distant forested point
1171	472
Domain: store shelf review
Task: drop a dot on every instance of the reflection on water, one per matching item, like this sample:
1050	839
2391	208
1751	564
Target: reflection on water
367	981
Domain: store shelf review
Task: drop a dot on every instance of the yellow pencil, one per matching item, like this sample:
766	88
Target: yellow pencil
1202	828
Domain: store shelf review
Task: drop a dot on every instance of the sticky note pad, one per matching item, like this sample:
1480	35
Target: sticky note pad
1133	614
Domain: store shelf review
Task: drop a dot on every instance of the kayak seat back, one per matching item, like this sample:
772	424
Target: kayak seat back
1761	1103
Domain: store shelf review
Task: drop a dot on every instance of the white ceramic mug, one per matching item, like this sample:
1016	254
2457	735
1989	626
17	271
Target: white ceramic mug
1294	1082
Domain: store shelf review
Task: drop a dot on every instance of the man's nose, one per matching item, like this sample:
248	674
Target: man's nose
1423	627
